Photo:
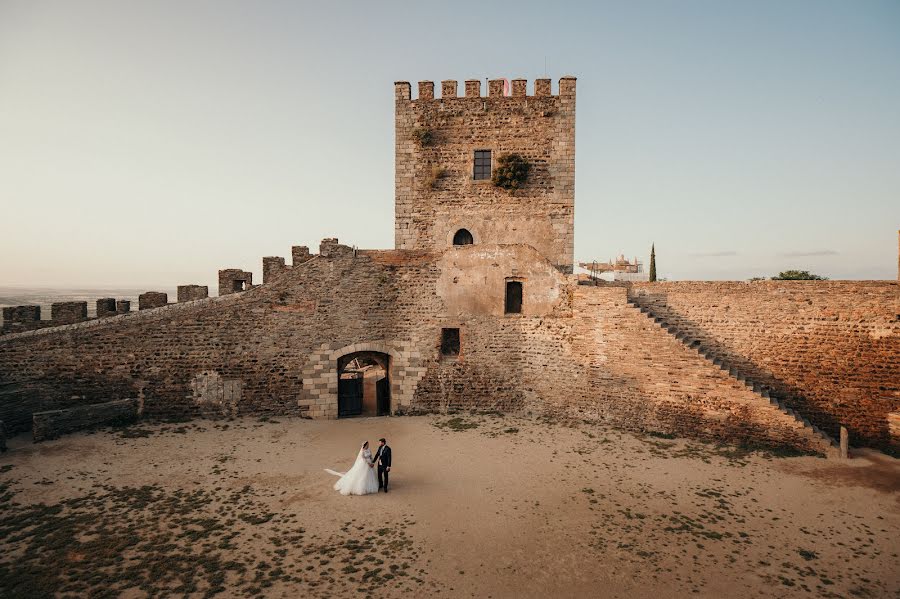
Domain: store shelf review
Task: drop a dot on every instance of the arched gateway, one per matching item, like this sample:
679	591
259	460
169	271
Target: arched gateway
364	387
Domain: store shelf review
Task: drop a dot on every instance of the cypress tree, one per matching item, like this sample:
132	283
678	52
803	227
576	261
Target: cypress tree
652	262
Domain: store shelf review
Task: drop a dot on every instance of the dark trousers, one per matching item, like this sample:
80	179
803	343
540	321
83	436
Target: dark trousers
382	477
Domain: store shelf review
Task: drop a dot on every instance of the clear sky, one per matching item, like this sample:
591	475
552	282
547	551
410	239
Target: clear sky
152	143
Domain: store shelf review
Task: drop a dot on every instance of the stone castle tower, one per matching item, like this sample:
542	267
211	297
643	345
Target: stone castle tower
447	148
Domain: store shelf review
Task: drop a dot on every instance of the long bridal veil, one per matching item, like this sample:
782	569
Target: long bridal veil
360	479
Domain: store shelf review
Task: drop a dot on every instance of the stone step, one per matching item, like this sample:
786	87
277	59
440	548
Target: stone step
688	341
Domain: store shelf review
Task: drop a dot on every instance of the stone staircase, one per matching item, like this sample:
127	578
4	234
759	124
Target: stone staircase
763	391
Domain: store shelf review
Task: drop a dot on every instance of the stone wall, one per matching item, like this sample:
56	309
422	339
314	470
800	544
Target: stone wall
831	349
68	312
106	306
234	280
436	194
52	424
190	293
152	299
17	319
574	351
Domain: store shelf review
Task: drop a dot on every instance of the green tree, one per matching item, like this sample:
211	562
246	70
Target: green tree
652	262
797	275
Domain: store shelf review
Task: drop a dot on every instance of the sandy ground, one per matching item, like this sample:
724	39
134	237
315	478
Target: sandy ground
480	506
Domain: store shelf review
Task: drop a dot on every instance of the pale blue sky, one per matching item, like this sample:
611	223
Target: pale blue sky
152	143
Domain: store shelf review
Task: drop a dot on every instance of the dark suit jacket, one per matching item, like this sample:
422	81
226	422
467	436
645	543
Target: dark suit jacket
383	454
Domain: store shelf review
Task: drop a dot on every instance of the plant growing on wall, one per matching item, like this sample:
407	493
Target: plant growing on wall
511	172
423	136
434	174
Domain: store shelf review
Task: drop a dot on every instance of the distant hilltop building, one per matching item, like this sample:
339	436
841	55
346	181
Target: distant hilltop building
476	308
619	269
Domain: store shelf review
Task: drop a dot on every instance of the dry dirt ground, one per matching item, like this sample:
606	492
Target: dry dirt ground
480	506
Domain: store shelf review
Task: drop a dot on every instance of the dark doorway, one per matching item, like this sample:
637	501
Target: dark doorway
350	396
449	342
364	387
513	297
463	237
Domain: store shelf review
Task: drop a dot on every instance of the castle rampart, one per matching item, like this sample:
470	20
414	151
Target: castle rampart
152	299
234	280
192	293
274	349
106	306
68	312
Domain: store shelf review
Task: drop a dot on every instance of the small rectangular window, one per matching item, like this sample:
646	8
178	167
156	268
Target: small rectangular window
482	165
513	297
449	342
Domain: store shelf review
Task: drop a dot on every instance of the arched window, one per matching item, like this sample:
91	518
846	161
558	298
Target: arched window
463	237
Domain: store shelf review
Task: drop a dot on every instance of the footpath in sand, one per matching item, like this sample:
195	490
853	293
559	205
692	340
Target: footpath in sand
480	506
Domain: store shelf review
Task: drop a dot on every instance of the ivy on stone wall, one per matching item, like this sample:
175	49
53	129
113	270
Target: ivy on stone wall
423	136
511	172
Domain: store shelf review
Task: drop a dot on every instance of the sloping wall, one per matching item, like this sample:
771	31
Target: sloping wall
831	349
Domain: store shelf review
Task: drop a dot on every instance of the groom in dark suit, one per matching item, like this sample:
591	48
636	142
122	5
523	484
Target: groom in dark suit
383	459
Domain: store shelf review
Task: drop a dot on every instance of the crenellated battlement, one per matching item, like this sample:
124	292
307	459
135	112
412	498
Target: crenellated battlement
496	88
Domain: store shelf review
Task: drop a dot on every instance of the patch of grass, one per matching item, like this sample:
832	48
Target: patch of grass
153	542
807	554
456	424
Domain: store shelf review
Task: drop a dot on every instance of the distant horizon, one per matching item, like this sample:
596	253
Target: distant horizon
743	139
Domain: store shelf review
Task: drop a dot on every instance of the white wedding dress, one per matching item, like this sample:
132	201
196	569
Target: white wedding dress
360	479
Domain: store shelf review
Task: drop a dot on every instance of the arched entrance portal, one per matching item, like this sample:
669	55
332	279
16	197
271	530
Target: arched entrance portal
364	387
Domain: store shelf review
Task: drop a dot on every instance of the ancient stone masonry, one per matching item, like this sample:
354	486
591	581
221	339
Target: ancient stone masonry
275	349
436	141
829	350
234	280
106	307
152	299
190	293
21	314
476	309
52	424
22	318
68	312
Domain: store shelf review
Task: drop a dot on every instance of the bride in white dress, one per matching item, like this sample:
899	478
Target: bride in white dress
360	479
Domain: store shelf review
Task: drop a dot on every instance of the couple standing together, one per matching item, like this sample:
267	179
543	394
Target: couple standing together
360	479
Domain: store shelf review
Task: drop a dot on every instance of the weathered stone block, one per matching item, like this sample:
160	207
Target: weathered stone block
106	307
152	299
299	254
234	280
189	293
272	267
21	314
52	424
448	88
68	312
426	90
